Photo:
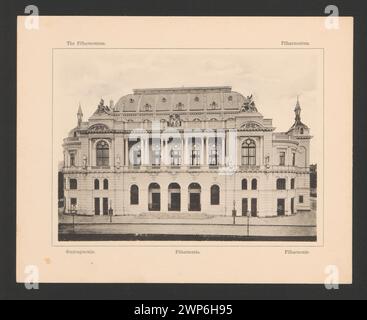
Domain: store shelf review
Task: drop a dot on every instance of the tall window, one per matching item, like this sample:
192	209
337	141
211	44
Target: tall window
105	184
156	152
215	195
213	152
96	184
292	183
282	158
102	153
254	184
244	184
134	195
249	153
73	184
281	184
134	150
293	159
72	159
175	157
195	154
300	199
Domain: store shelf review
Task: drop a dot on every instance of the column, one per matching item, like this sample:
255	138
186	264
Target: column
89	153
164	198
205	148
147	155
166	153
223	151
142	151
161	152
126	152
184	199
112	155
202	152
184	152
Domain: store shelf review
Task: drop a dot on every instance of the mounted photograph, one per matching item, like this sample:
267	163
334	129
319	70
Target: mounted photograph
188	145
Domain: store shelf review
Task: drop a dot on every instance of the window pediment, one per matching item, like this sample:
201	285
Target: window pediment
98	128
251	126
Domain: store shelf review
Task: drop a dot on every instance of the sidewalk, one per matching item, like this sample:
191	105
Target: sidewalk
300	219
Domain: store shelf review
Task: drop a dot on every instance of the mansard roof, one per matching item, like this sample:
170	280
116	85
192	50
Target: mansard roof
182	99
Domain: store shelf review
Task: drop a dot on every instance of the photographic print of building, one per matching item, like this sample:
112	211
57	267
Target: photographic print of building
206	150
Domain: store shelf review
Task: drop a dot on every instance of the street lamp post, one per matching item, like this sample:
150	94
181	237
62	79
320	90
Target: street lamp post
234	212
110	211
248	223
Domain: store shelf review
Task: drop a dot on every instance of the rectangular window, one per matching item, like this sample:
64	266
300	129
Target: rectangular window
175	157
156	151
293	159
195	157
134	152
105	206
215	148
300	199
254	207
213	157
292	183
156	158
73	184
282	158
97	209
281	184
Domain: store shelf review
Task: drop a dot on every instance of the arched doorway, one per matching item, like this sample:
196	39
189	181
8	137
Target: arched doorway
154	197
194	197
174	197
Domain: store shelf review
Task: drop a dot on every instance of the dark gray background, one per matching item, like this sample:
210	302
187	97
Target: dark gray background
10	290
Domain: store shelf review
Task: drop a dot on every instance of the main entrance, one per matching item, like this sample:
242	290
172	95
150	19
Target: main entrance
194	197
154	197
174	197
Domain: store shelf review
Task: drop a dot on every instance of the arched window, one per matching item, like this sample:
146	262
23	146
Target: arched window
254	184
102	153
281	184
73	184
134	195
96	184
244	184
105	184
249	153
215	195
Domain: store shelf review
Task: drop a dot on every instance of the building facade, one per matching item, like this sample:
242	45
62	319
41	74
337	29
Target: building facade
184	150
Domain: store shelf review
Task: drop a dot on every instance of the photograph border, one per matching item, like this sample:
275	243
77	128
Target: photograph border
186	243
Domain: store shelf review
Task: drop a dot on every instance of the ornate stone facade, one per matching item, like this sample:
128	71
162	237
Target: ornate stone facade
205	150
